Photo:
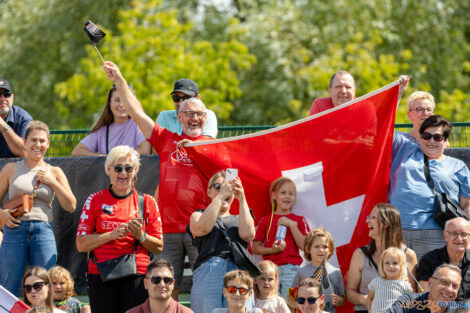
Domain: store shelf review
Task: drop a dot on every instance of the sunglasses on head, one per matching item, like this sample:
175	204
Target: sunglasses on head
428	136
6	93
157	280
232	290
118	168
310	300
36	286
217	186
177	98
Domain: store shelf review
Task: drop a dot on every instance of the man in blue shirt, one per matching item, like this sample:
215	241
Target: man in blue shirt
185	89
13	123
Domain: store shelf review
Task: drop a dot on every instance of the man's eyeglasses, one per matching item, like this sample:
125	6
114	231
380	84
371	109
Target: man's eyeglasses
232	290
455	234
176	98
6	93
421	110
36	286
217	186
447	283
157	280
191	114
428	136
310	300
119	168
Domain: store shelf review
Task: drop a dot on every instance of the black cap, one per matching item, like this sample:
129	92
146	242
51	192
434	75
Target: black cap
5	84
186	86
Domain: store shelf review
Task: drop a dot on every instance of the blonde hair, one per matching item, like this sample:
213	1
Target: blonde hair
59	273
403	274
119	152
264	266
319	232
36	125
276	185
418	95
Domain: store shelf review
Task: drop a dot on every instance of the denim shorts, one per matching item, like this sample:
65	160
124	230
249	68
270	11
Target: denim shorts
286	276
31	243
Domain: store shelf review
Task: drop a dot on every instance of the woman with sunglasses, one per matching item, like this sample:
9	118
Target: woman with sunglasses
111	225
113	128
409	190
29	238
310	297
207	227
37	288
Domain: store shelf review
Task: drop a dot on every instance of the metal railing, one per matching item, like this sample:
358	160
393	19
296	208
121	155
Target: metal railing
63	141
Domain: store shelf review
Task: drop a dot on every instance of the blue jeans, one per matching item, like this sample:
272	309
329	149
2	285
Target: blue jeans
286	276
32	243
208	285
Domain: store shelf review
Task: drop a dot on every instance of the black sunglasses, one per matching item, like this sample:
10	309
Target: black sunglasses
428	136
6	93
157	280
177	98
36	286
217	186
310	300
118	168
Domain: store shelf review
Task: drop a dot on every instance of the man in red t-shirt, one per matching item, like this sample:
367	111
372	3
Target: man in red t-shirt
342	89
182	189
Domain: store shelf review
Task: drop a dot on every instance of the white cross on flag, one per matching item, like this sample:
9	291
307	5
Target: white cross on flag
339	160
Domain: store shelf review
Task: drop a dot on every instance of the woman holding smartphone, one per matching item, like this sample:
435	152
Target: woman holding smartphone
207	227
111	226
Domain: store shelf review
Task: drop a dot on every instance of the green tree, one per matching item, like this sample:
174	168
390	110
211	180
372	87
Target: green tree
152	49
42	41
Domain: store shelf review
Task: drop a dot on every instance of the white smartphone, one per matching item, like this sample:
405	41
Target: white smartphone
230	174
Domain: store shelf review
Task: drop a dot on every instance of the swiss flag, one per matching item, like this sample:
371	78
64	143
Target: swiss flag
339	160
10	303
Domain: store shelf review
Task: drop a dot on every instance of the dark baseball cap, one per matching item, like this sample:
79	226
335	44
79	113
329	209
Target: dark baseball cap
186	86
5	84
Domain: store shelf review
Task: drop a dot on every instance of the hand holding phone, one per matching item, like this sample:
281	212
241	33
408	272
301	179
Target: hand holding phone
230	174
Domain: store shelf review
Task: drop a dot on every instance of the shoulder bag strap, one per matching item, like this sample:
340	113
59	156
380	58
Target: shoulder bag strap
427	174
371	260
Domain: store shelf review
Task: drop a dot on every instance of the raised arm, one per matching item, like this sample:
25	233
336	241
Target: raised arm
246	224
130	102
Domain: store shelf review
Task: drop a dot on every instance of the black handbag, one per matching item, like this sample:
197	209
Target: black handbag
241	257
444	208
124	265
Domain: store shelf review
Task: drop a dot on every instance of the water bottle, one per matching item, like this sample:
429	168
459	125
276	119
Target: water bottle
281	232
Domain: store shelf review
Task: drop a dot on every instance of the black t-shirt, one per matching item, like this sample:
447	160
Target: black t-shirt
214	243
431	260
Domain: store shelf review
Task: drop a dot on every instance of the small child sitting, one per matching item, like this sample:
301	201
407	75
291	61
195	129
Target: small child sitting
62	291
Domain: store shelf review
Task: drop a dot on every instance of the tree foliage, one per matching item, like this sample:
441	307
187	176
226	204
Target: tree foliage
153	50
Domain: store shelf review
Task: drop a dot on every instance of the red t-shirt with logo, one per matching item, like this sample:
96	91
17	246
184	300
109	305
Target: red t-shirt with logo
182	188
103	212
290	255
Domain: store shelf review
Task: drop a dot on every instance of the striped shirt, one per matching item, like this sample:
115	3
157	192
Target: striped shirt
386	292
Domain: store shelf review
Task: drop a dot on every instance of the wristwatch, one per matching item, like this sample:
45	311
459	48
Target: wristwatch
143	238
5	128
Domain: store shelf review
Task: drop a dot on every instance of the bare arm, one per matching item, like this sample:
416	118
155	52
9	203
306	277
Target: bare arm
298	236
56	179
202	223
370	298
465	204
260	249
14	142
354	279
246	224
130	102
412	264
88	243
144	148
7	173
82	150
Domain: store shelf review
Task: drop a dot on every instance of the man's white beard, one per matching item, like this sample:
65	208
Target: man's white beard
4	112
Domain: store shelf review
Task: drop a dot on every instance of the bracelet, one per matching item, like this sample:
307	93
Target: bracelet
5	128
143	238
